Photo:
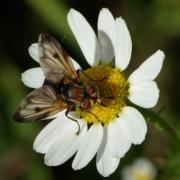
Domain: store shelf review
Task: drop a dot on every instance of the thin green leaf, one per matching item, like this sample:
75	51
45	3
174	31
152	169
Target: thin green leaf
54	14
162	125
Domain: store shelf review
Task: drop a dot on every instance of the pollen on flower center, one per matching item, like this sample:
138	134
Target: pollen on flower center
113	92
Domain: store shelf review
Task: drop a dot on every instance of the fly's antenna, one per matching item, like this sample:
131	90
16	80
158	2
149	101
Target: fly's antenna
93	115
80	71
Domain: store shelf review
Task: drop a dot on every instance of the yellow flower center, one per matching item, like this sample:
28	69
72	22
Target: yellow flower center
113	92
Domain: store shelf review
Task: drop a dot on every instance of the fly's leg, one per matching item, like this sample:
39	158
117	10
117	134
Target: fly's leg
71	108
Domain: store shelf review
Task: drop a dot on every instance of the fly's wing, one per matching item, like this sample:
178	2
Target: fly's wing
54	61
40	104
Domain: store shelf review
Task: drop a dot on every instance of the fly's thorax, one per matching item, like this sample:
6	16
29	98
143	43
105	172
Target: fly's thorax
70	90
84	96
75	93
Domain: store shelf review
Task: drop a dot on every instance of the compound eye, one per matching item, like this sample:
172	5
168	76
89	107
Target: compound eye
92	91
85	104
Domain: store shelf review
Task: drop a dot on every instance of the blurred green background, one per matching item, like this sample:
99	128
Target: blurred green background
153	24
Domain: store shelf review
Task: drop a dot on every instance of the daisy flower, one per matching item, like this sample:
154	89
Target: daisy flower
115	126
141	169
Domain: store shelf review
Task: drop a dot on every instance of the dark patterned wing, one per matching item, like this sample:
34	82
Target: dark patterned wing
55	62
40	104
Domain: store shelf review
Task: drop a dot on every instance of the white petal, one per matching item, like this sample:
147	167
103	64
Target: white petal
75	64
33	51
119	139
134	124
51	132
85	36
88	147
123	44
64	147
149	69
106	35
144	94
33	78
105	162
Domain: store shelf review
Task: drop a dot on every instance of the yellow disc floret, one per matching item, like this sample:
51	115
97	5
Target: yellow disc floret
113	92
